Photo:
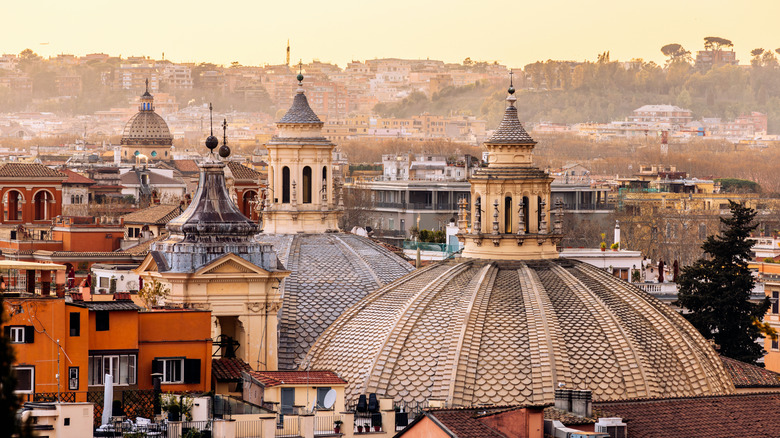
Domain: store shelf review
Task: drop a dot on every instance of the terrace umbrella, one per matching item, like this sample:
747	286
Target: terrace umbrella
661	271
108	398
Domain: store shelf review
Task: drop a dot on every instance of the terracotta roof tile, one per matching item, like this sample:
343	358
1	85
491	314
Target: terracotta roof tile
228	368
510	131
464	423
186	166
241	172
725	416
156	214
276	378
745	375
28	170
75	178
566	417
143	247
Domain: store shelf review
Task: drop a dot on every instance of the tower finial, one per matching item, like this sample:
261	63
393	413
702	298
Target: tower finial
211	141
300	73
511	82
224	150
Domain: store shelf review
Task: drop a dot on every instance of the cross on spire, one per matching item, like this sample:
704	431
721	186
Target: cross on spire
224	132
511	77
147	85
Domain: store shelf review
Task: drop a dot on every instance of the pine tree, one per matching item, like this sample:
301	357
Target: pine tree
716	289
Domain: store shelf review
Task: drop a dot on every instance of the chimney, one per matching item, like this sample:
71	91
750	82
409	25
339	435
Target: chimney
617	233
563	399
582	402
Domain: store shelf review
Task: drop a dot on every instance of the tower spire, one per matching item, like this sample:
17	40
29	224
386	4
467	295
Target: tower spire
288	53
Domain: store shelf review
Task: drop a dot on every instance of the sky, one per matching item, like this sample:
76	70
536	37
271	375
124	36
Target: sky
514	33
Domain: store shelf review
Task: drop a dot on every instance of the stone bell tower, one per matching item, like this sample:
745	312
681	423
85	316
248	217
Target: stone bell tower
510	215
300	194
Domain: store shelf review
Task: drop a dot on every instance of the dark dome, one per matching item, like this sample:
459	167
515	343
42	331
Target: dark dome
329	273
474	331
146	128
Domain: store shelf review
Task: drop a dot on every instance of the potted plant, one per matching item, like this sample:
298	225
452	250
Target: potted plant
615	246
337	426
603	246
360	428
174	412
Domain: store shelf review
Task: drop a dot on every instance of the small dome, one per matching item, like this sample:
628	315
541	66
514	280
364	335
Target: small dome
147	128
505	332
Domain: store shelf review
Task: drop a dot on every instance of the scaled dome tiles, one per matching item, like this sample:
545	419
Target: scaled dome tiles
473	332
147	128
329	273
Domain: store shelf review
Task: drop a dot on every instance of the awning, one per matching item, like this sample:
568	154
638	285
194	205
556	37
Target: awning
12	264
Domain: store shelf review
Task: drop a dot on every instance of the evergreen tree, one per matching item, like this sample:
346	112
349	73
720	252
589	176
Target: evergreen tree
716	289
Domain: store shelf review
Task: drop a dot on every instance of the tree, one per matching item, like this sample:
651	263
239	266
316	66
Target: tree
716	43
716	289
152	293
676	53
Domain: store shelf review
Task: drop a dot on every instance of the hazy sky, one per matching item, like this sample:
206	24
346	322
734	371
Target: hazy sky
514	33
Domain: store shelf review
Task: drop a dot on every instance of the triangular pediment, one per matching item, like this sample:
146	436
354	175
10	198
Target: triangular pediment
231	264
147	265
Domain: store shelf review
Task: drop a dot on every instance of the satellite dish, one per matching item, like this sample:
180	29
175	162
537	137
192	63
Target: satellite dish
313	406
330	399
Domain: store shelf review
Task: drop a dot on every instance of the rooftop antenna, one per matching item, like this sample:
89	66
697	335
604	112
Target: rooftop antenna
211	141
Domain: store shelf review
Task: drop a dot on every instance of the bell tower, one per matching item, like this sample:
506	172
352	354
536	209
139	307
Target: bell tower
300	196
511	211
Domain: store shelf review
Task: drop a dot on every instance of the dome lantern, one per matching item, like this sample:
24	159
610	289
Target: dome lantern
517	192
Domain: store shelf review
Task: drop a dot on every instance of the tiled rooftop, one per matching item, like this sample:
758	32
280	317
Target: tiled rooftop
75	178
300	112
330	272
727	416
276	378
507	332
243	173
111	305
745	375
157	214
228	369
29	170
510	131
464	423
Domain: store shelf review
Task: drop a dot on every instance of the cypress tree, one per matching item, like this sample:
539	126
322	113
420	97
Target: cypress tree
716	289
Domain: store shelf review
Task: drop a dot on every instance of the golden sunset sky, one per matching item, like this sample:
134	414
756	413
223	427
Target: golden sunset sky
513	33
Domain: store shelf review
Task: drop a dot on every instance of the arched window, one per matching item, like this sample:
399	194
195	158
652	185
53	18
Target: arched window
14	206
41	201
285	185
246	203
508	226
307	185
325	178
72	199
526	215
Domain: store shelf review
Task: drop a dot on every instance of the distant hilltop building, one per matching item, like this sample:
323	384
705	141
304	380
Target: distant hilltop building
146	135
662	114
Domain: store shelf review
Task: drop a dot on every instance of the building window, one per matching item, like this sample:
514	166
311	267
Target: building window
177	369
775	299
285	185
121	367
775	345
20	334
101	321
321	393
16	335
25	380
75	324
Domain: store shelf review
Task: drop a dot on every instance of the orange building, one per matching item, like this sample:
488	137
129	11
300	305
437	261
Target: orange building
84	341
31	193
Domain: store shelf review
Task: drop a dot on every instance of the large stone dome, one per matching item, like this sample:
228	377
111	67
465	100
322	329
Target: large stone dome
329	273
147	128
474	331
